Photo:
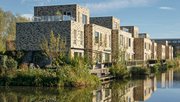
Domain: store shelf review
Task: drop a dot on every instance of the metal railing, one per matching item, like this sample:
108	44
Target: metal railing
52	18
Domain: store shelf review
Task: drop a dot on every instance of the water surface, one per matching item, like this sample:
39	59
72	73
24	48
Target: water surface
164	87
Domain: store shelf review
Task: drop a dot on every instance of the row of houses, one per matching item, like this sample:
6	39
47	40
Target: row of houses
102	39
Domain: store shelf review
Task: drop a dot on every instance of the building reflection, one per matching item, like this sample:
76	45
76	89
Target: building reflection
145	89
123	92
102	94
166	79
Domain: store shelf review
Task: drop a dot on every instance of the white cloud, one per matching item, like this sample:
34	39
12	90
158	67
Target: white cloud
166	8
38	2
115	4
29	16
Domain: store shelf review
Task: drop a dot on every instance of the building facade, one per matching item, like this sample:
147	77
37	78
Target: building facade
175	43
64	20
98	44
143	47
154	50
161	51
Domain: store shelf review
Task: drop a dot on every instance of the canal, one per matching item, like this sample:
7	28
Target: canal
164	87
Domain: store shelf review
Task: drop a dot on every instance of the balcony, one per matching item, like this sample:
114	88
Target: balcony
53	18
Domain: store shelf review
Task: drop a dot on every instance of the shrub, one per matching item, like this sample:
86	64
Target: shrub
119	71
155	68
76	75
140	71
11	64
31	77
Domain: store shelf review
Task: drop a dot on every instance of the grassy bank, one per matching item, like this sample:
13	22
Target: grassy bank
73	73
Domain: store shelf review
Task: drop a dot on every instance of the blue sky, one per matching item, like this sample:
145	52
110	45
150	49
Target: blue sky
158	18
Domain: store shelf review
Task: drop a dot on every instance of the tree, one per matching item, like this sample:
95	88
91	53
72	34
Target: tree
54	47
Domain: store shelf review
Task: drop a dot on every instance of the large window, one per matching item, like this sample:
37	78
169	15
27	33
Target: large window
129	42
105	42
96	37
109	40
68	13
121	39
100	36
107	57
81	38
75	37
84	19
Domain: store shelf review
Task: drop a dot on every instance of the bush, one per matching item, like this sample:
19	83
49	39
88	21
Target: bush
11	64
155	68
140	71
31	77
119	71
76	75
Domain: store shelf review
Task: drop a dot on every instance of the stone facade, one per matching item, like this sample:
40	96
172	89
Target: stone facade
108	22
154	50
80	14
122	43
126	42
98	43
169	52
161	51
142	49
29	36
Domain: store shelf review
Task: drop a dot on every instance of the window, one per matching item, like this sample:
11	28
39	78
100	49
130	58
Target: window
129	42
100	39
96	37
109	40
75	37
79	16
105	42
145	45
81	37
107	57
121	40
75	54
115	25
68	13
84	19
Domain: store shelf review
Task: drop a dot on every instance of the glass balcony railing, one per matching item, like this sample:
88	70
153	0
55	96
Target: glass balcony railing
52	18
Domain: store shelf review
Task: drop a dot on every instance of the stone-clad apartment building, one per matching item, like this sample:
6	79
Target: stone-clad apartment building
143	47
100	38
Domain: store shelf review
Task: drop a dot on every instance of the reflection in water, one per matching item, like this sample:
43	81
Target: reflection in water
124	91
166	80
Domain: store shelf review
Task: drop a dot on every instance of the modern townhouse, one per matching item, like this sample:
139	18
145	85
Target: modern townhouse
174	42
98	46
142	47
66	20
168	49
161	51
154	50
102	39
122	40
126	44
113	24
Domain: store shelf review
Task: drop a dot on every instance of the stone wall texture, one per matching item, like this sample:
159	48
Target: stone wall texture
104	45
154	50
161	51
108	22
142	48
29	36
